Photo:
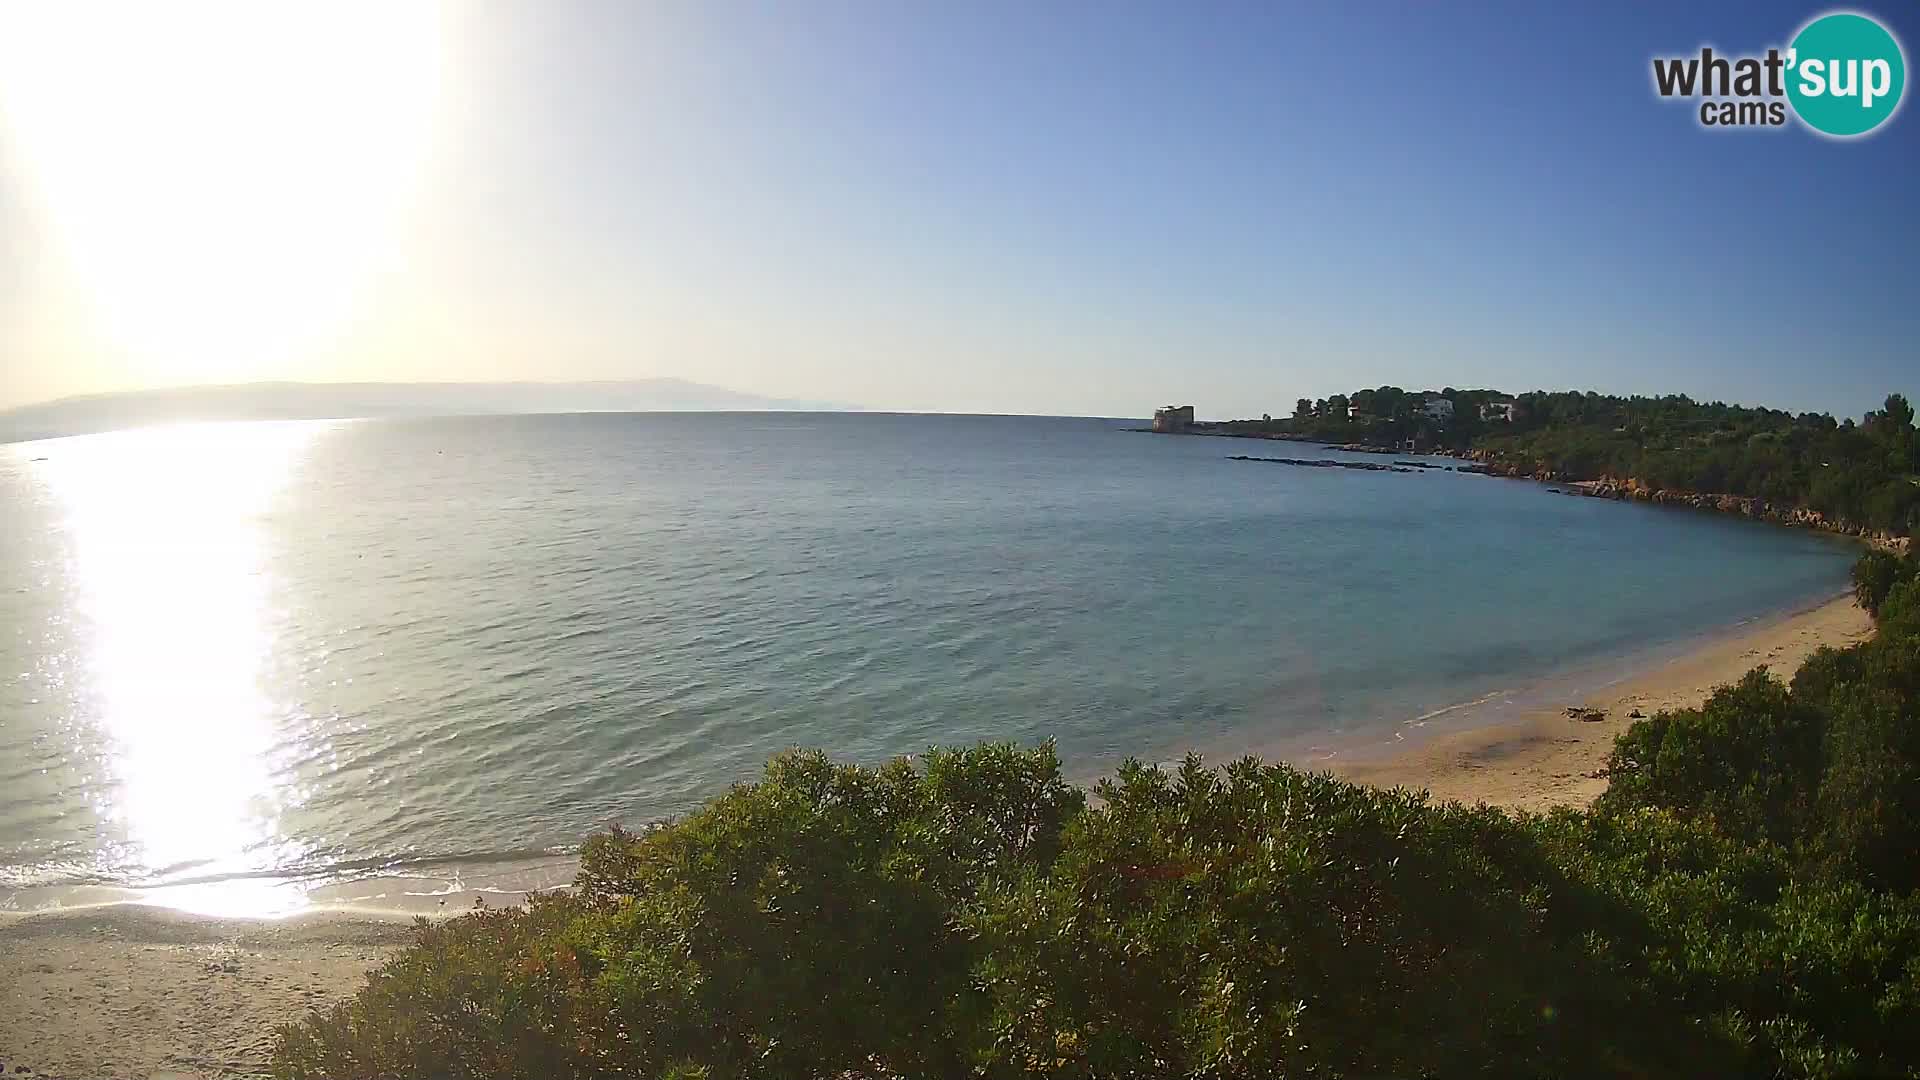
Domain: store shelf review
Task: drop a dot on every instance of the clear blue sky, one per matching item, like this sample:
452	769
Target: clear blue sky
1084	208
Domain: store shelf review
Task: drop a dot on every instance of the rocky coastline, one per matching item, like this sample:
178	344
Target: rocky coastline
1633	489
1607	487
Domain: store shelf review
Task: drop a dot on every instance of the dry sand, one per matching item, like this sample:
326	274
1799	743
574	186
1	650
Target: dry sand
1549	759
129	991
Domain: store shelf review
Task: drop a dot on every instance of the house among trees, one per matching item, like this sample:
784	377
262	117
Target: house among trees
1173	419
1501	411
1438	408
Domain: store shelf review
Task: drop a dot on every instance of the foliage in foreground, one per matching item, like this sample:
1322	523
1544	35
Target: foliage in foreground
1741	903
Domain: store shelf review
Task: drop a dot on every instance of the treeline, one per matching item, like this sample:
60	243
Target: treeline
1383	416
1742	902
1859	473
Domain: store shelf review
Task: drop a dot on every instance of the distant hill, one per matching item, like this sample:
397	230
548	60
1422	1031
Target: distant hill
322	401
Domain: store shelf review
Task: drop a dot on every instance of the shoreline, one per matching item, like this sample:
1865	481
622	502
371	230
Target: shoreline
1450	751
113	984
1546	758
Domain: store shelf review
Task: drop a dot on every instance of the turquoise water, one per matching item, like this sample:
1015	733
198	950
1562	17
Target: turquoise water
329	648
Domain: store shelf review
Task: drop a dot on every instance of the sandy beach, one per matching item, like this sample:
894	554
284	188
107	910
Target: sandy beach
130	991
1547	758
124	990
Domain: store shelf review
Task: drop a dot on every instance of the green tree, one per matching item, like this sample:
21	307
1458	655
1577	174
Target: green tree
1875	575
1746	759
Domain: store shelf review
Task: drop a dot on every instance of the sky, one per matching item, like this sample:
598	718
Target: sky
1060	208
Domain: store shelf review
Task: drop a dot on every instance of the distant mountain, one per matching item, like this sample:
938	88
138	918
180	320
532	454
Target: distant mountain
323	401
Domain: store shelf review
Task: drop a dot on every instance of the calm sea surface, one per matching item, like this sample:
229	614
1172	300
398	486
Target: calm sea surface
243	651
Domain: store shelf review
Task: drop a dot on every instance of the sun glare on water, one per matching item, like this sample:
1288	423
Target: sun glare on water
167	539
221	178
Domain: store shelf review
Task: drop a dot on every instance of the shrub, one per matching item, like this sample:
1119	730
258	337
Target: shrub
1875	575
1748	758
801	926
492	994
1263	922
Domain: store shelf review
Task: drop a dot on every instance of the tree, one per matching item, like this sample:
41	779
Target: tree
1875	575
1303	409
1896	415
1893	427
1745	760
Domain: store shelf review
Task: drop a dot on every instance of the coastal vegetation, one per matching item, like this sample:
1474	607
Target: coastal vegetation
1743	901
1866	474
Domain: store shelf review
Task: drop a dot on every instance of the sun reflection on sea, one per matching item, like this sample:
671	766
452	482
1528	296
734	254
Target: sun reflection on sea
168	545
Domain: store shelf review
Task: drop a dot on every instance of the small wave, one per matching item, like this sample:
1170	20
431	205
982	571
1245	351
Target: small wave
313	874
1421	720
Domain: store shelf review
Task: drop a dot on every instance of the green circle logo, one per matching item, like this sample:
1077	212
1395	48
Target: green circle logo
1845	74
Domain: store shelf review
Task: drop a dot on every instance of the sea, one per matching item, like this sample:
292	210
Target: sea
250	655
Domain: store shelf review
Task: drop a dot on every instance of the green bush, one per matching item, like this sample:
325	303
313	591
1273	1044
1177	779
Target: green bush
1264	922
1900	614
1748	758
1875	575
1792	977
492	994
978	918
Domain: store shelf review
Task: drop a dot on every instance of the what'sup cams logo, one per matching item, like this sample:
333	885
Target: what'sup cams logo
1843	75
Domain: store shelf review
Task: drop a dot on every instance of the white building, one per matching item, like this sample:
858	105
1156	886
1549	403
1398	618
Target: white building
1173	420
1497	410
1438	408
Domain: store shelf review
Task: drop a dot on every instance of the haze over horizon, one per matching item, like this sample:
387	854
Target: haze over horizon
1066	210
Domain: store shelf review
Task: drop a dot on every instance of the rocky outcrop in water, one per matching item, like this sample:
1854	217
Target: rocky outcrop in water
1325	463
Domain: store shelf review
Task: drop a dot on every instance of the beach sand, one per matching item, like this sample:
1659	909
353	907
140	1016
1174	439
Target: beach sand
1547	759
135	991
130	991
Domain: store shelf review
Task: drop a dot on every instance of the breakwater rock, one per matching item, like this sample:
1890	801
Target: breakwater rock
1326	463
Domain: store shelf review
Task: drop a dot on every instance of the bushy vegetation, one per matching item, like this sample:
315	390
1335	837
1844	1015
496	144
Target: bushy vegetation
1741	902
1877	573
1827	767
1384	416
1860	473
1863	474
